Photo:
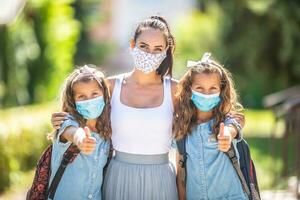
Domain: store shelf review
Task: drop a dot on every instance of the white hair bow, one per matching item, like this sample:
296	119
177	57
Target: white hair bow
205	60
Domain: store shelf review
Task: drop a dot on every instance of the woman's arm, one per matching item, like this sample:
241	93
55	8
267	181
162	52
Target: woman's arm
239	117
180	178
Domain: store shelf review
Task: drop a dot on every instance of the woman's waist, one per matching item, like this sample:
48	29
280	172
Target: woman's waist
145	147
141	158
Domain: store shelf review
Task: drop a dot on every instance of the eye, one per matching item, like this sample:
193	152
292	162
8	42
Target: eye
80	97
95	94
214	90
142	46
199	88
158	50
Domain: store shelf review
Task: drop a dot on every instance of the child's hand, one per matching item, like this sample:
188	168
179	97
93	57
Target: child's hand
224	139
84	141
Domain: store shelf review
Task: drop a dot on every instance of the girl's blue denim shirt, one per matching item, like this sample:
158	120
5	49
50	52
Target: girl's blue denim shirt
210	173
83	177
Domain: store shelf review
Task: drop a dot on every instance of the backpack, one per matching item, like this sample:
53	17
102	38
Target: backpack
39	189
245	168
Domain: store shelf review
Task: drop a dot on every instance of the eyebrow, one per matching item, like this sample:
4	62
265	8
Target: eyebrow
144	43
154	46
213	86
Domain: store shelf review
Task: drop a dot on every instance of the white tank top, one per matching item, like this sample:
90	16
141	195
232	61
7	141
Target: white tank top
145	131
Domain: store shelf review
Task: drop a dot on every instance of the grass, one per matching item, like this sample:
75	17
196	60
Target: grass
260	123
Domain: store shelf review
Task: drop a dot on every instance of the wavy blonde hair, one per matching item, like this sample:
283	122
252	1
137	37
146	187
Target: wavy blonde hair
185	112
87	73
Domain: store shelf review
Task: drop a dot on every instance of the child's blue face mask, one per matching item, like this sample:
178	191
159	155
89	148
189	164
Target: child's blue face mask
92	108
205	102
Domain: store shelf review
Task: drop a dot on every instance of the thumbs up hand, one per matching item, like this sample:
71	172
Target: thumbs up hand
224	138
84	141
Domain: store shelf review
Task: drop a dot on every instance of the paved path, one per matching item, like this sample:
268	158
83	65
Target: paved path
277	195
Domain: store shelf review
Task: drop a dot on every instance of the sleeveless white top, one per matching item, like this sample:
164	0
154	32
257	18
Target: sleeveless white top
146	131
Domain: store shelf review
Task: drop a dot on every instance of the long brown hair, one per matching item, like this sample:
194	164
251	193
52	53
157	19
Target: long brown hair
158	22
185	112
85	74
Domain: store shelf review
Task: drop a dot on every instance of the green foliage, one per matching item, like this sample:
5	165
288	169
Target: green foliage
195	34
42	46
4	168
38	50
90	47
260	40
257	40
22	140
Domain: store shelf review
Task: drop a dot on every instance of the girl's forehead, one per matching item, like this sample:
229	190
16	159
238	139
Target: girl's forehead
152	36
206	78
86	85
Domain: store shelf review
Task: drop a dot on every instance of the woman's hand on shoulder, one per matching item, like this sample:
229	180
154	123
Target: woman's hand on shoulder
57	118
239	117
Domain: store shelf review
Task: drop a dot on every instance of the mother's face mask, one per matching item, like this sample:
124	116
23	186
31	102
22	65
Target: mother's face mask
147	62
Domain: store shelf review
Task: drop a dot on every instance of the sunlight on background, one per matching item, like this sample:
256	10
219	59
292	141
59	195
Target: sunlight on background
10	9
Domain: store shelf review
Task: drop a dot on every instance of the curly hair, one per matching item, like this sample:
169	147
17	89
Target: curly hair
87	73
185	112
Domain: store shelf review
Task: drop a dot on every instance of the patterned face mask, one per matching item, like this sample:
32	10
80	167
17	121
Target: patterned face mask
147	62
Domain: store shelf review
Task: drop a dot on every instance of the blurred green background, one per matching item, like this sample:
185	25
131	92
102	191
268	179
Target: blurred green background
258	40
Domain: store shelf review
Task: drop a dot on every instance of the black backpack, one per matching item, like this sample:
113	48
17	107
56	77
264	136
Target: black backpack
245	168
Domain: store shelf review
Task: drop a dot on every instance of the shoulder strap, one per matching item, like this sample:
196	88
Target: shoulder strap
182	151
182	162
232	156
68	157
115	96
167	90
